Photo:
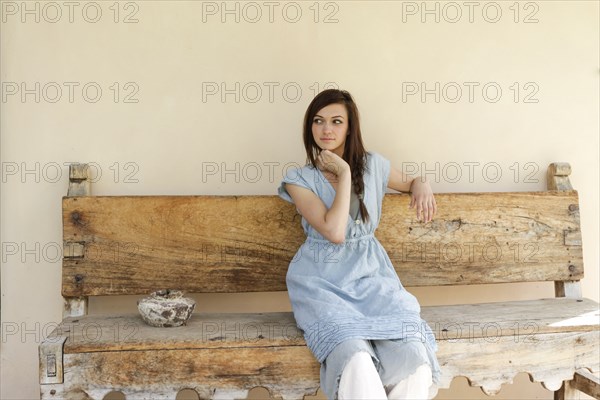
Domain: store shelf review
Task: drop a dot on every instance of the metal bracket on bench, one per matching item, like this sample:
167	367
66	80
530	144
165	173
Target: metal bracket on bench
51	360
73	249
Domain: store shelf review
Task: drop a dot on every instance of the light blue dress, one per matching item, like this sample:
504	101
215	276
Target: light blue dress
342	293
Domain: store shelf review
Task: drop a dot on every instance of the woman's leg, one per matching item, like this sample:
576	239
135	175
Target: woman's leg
399	358
415	386
360	379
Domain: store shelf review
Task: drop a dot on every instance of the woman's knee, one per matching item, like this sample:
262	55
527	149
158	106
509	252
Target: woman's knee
359	365
415	386
422	376
360	380
360	360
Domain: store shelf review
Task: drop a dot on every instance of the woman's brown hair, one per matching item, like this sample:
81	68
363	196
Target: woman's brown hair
354	150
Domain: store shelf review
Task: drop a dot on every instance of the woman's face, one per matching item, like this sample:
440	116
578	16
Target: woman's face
330	127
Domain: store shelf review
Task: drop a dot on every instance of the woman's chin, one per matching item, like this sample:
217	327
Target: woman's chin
327	146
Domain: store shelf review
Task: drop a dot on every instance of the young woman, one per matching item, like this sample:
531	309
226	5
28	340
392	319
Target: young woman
356	317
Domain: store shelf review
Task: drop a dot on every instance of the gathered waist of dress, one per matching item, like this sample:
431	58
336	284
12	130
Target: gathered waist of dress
366	236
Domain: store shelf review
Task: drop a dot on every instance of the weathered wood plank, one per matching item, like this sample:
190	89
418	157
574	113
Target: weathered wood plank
483	238
293	369
203	330
214	373
138	244
490	364
516	319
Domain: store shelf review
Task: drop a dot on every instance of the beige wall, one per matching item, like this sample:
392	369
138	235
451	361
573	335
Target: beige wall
170	59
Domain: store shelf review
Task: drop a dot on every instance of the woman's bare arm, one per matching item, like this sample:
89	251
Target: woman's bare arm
420	190
399	181
330	223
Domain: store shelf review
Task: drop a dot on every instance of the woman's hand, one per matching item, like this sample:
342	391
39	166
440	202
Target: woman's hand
422	197
329	161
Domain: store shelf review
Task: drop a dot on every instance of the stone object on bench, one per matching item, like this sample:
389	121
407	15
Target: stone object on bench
166	308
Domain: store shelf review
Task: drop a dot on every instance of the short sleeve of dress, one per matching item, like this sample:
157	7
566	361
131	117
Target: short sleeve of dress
294	176
382	166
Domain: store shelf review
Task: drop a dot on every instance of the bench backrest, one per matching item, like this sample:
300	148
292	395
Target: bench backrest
116	245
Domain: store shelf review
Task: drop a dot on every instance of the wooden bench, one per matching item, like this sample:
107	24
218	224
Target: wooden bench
133	245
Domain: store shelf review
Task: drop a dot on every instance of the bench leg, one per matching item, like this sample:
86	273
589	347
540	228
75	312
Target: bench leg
583	382
567	392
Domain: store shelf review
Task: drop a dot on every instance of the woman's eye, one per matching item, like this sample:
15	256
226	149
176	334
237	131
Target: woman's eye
320	121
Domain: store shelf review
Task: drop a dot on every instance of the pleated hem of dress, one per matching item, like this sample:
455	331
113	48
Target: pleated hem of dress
324	335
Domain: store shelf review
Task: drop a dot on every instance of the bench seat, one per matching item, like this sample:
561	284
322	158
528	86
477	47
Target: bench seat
488	343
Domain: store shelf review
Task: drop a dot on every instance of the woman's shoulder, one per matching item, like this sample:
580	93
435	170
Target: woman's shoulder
307	170
305	175
374	158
